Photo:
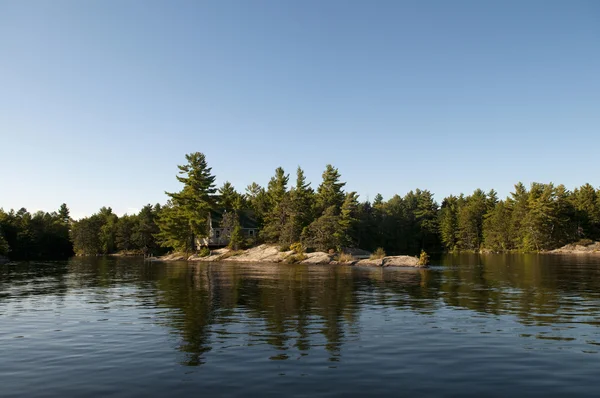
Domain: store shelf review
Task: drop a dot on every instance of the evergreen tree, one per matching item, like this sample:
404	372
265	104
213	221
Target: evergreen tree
227	196
280	207
448	223
190	206
426	216
330	192
497	228
258	201
4	248
321	234
346	234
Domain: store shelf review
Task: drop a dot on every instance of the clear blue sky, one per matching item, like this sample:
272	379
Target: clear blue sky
100	100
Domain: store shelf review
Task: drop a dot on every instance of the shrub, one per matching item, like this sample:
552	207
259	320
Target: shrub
296	258
423	258
345	258
378	254
204	252
284	248
297	247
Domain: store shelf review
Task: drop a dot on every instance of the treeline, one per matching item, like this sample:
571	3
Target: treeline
287	212
26	236
541	218
328	217
106	233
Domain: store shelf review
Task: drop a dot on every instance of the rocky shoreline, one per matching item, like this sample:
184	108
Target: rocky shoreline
272	254
593	248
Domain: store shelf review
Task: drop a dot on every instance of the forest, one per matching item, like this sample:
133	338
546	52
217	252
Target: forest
537	218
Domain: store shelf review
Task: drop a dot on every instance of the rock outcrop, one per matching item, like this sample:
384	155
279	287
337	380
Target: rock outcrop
378	262
260	254
272	254
317	258
593	248
400	261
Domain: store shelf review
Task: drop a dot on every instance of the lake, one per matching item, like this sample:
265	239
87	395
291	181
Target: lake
489	325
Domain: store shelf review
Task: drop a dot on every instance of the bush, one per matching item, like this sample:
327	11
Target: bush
423	258
296	258
284	248
378	254
297	247
345	258
204	252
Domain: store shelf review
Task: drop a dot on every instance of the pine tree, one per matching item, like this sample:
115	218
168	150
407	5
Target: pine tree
345	235
497	228
189	209
448	222
227	196
330	192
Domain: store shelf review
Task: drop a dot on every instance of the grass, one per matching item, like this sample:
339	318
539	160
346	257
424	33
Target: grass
345	258
378	254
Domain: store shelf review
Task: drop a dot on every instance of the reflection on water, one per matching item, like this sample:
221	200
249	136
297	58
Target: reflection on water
468	315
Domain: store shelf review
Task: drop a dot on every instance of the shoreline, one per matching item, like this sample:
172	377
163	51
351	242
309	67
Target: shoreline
271	254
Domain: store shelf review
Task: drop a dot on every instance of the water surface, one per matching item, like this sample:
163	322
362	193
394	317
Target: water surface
494	325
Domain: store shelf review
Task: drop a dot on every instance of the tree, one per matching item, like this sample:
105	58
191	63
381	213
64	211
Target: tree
426	216
497	231
4	248
345	235
174	228
448	222
470	221
64	214
330	192
227	196
321	233
189	209
143	235
279	208
297	212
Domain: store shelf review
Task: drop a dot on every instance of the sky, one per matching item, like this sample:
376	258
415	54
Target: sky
101	100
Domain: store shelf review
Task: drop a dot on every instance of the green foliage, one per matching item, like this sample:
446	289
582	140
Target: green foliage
378	254
42	235
295	258
330	193
236	240
204	251
322	234
4	247
297	247
423	258
106	233
345	258
186	217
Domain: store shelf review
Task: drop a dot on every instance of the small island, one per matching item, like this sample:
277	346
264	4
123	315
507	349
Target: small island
288	222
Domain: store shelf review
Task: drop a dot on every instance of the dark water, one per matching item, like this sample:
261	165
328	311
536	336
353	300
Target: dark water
471	326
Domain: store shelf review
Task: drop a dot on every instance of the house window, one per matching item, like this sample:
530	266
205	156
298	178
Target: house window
218	234
251	232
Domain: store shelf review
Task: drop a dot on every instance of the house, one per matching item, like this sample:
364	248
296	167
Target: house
218	235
